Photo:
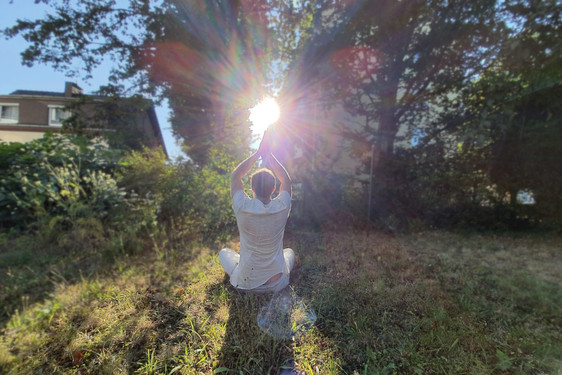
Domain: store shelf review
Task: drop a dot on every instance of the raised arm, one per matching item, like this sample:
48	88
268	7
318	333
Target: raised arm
240	171
244	167
281	173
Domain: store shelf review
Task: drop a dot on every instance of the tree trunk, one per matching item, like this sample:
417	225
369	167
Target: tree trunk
382	153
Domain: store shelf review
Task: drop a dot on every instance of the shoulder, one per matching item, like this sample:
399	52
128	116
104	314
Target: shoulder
284	197
238	198
238	194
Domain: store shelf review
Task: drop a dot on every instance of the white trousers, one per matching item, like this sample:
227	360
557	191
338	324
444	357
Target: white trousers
229	260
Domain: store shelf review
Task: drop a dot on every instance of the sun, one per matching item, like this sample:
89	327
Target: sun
263	114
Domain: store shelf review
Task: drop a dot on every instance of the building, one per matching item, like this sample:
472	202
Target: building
26	115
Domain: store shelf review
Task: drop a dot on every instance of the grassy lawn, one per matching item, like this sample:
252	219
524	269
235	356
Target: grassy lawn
428	303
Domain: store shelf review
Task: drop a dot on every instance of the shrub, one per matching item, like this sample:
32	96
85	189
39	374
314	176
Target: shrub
46	176
327	199
54	182
191	201
423	187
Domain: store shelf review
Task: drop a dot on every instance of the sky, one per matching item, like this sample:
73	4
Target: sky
15	76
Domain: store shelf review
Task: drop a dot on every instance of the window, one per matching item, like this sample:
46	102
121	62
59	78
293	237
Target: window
57	114
9	113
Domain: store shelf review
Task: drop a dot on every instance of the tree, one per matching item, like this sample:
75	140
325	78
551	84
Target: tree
513	109
407	63
394	66
204	56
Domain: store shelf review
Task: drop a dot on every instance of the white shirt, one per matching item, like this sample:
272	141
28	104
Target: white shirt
261	228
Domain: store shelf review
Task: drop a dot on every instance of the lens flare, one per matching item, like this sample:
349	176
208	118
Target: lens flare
286	316
263	114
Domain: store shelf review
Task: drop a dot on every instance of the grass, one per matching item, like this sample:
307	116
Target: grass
427	303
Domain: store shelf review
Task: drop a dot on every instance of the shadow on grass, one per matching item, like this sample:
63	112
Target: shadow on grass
246	349
30	270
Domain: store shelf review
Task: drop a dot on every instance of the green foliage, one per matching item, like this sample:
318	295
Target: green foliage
187	52
511	120
327	199
57	175
430	186
391	75
191	201
60	181
66	192
63	188
79	203
502	138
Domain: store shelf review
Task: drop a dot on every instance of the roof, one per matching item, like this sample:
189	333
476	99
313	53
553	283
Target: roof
71	90
37	93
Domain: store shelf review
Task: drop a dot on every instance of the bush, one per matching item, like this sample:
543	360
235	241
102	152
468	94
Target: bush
191	201
56	182
327	199
424	188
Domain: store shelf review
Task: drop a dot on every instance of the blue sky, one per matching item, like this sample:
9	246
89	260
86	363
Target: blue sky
14	76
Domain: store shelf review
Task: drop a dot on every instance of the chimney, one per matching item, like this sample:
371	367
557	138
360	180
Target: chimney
72	89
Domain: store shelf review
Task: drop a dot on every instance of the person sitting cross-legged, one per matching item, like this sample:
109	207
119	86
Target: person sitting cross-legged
263	265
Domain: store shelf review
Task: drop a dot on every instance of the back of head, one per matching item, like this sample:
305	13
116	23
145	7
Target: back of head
263	183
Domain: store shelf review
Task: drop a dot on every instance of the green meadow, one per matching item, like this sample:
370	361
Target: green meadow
425	303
